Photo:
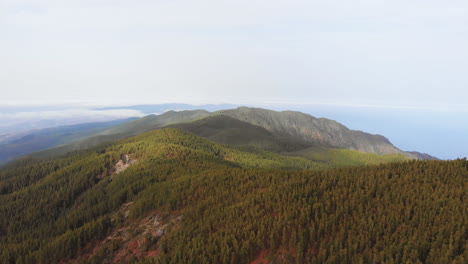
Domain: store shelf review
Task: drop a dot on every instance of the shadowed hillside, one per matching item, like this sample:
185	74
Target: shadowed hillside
227	130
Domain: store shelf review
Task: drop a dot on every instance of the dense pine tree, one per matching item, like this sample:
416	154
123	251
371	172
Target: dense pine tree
228	205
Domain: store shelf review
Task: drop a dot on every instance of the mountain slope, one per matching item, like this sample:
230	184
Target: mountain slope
50	137
125	130
422	156
227	130
151	122
170	197
344	157
280	132
307	128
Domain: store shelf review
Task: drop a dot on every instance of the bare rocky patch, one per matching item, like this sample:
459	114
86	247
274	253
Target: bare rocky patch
123	163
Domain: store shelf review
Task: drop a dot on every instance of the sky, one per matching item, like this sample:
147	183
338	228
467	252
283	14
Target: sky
377	56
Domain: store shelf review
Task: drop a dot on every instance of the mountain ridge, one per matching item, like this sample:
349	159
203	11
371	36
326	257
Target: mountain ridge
315	130
286	131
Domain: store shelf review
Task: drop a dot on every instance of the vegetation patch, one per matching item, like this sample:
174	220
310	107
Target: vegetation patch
184	202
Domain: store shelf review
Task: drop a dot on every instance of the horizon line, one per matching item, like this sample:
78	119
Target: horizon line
91	104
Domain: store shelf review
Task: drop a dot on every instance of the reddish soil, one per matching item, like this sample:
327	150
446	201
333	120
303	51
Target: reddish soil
261	258
132	237
313	251
153	253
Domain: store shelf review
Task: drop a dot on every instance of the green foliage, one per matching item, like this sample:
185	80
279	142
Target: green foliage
233	203
346	157
227	130
397	213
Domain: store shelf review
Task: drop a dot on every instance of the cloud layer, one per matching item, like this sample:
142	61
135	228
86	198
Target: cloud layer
323	51
16	120
72	113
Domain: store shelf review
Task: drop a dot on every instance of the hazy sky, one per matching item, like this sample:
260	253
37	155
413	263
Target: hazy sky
394	67
369	52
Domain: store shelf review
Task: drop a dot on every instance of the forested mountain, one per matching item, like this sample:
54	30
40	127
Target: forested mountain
125	130
169	196
151	122
307	128
287	133
227	130
50	137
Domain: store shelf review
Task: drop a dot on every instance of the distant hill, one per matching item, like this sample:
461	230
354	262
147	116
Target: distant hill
125	130
162	108
151	122
41	139
322	131
227	130
224	129
287	133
